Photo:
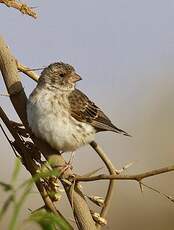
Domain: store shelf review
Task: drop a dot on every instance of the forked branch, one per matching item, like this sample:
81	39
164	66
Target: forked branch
137	177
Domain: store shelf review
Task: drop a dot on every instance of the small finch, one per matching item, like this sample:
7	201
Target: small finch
62	115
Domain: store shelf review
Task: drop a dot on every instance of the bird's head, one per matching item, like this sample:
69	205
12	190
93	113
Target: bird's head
59	75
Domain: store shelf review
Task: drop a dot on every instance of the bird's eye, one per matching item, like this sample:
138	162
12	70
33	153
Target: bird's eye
61	75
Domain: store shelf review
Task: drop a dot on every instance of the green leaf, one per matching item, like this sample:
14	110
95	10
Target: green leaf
6	187
45	174
18	205
16	170
5	206
49	221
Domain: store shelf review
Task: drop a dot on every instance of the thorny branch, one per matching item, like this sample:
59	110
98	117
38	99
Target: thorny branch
23	8
137	177
111	170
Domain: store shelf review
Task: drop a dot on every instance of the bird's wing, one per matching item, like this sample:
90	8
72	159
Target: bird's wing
84	110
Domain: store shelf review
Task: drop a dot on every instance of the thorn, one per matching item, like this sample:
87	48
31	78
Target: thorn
124	168
171	198
93	172
34	69
96	200
34	7
141	187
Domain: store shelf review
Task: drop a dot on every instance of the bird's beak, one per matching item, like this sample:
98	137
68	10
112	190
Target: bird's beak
75	77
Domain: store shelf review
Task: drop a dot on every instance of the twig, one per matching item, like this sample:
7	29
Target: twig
23	8
124	168
171	198
111	170
137	177
27	71
93	172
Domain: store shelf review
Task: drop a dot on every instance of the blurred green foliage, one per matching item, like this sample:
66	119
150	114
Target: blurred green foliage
17	196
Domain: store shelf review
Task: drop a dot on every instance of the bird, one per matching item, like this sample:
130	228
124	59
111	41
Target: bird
61	114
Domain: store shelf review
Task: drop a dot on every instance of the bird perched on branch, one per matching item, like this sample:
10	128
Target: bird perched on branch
62	115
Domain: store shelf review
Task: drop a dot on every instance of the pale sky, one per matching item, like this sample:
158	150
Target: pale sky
124	51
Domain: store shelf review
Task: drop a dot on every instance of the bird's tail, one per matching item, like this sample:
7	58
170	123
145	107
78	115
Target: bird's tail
120	131
109	127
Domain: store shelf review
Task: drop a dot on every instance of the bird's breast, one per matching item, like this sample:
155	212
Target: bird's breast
49	117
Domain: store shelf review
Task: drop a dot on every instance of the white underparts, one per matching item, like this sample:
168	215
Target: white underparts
50	119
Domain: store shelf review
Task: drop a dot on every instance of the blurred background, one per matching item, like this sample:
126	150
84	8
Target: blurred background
124	51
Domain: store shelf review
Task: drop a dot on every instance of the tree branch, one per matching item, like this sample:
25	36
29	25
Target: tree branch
111	170
137	177
23	8
24	69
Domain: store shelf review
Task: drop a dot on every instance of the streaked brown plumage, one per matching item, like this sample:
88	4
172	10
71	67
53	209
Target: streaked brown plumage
85	110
